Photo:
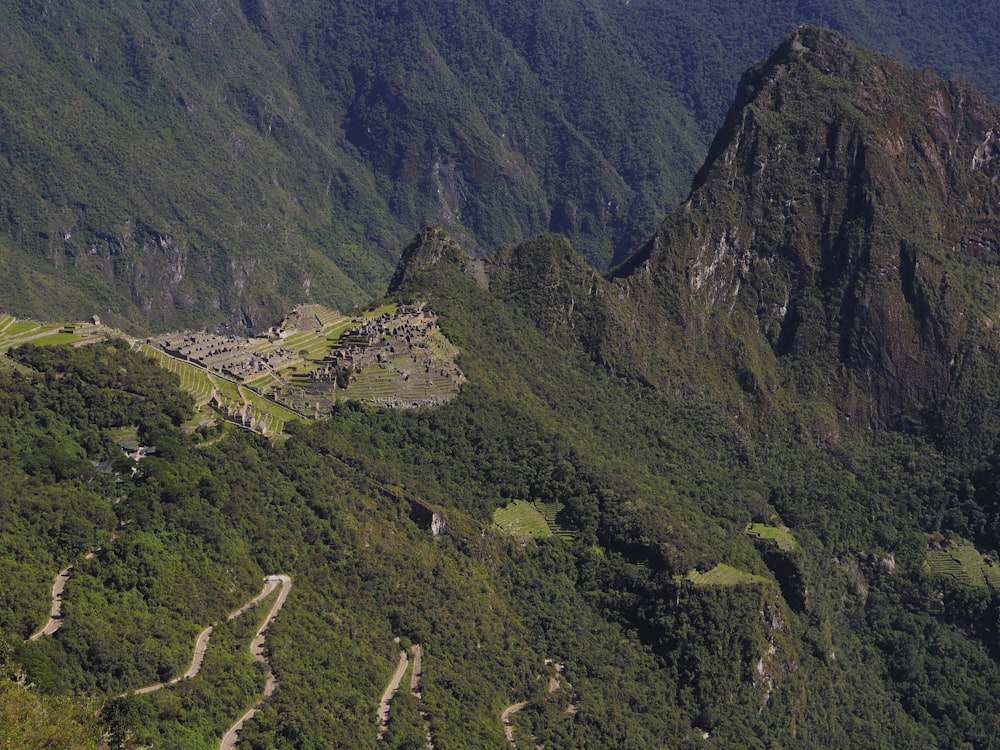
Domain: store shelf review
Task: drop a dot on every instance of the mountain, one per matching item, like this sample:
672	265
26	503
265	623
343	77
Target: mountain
842	232
193	166
662	511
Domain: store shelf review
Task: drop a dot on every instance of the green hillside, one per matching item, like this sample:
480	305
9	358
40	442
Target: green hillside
172	167
652	486
742	491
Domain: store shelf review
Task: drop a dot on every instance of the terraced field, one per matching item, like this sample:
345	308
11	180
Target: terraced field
723	575
961	561
550	512
14	332
521	519
264	382
530	520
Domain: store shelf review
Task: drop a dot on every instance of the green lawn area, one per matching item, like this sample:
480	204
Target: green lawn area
723	575
781	535
54	339
15	332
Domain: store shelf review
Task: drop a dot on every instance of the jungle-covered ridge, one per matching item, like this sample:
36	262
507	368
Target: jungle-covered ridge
709	576
190	165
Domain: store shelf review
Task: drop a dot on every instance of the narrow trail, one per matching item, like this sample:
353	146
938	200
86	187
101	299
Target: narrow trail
197	657
555	682
417	669
390	690
230	738
393	686
415	675
508	728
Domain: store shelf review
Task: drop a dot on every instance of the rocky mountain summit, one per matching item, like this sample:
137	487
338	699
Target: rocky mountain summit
846	216
841	239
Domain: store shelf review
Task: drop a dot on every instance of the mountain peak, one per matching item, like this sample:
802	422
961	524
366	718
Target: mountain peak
431	245
840	204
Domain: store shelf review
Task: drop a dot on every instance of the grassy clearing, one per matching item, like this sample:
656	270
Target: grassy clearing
126	436
780	535
529	520
521	519
965	564
723	575
54	339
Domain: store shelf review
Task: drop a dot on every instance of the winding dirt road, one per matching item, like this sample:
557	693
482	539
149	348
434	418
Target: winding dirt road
197	657
55	612
230	738
508	728
201	643
390	690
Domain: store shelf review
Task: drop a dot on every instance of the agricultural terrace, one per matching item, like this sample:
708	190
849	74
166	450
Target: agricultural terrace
723	575
780	535
389	356
14	332
530	520
961	561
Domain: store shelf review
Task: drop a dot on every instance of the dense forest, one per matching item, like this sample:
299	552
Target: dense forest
846	637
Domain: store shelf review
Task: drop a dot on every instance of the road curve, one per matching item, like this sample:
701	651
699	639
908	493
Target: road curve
390	690
55	612
508	728
201	643
230	738
197	657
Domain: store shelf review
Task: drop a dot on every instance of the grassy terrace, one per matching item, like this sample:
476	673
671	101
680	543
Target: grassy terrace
780	535
965	564
15	332
530	520
723	575
521	519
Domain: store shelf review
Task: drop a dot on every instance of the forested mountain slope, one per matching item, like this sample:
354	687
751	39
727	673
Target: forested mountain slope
193	164
841	238
661	511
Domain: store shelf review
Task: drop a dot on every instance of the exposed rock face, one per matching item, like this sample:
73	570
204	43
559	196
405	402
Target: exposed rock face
847	214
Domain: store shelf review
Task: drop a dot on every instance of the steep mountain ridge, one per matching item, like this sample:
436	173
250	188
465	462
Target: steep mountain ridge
839	244
844	229
215	164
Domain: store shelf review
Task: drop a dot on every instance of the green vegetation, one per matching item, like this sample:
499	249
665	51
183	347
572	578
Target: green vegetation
356	125
208	514
651	425
521	519
28	719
